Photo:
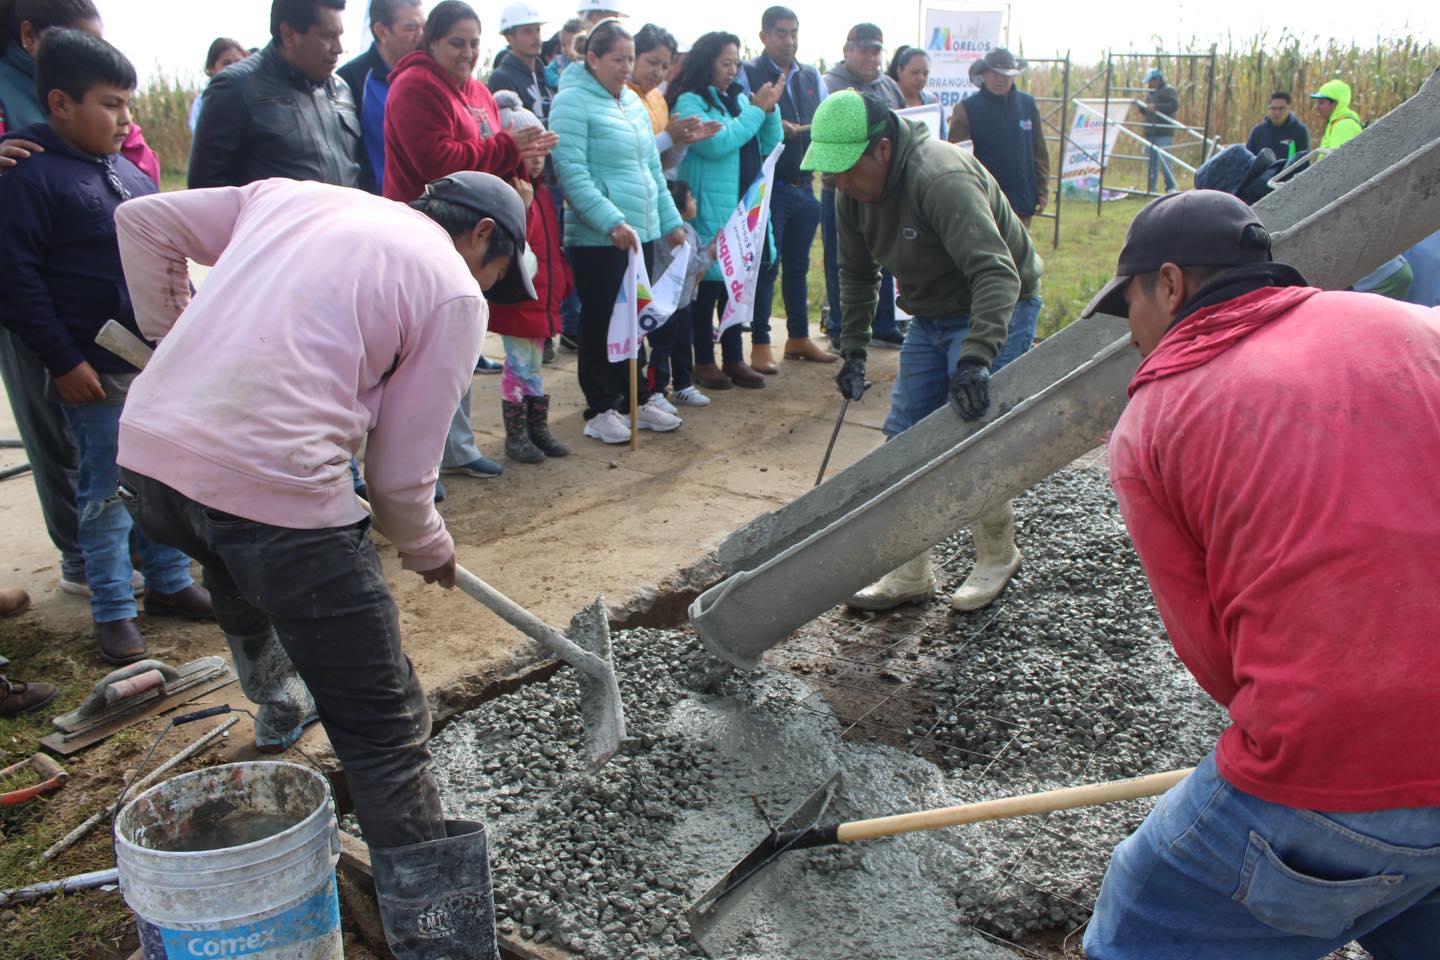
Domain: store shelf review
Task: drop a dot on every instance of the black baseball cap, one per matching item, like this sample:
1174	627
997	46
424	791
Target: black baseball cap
492	197
866	35
1196	228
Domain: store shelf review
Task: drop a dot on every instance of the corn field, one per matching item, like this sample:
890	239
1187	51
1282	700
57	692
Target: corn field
163	110
1382	77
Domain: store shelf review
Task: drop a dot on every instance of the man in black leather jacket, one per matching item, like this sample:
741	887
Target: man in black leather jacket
283	112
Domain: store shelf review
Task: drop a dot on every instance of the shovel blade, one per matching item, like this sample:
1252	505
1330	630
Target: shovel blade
601	709
728	893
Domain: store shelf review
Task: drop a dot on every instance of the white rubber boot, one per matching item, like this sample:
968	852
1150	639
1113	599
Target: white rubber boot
912	580
996	559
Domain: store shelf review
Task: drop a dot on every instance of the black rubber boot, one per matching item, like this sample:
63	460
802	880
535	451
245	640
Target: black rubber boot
518	443
435	898
537	418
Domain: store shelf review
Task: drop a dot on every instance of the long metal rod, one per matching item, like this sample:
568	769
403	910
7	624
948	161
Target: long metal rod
1104	132
1060	167
830	447
74	836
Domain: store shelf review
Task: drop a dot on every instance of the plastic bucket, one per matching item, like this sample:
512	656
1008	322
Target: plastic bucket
233	861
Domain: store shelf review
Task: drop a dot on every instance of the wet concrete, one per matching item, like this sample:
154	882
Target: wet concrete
1071	680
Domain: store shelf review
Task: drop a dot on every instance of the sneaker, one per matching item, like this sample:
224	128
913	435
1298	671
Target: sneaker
652	417
486	365
608	427
481	469
659	400
568	342
79	588
692	397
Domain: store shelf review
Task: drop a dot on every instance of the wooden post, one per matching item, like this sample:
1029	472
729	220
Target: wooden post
634	401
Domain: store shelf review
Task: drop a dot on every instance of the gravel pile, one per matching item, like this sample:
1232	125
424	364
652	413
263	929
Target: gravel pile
1070	680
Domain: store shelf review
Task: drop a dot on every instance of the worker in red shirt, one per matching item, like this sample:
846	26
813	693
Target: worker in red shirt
1277	470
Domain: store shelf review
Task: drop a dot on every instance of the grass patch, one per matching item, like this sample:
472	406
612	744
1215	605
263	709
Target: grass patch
91	925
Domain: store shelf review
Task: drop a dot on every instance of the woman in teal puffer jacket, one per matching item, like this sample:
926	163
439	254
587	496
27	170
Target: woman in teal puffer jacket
608	167
717	170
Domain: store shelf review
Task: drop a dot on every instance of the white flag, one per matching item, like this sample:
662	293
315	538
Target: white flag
740	247
641	308
623	341
665	292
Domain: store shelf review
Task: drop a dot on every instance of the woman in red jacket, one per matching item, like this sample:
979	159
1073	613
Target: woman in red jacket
439	119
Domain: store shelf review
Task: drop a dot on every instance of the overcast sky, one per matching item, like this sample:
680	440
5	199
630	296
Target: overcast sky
172	35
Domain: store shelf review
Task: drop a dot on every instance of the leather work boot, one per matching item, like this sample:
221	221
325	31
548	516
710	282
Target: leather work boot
120	641
996	559
436	900
518	445
912	580
803	348
762	360
17	696
192	603
743	376
537	420
711	377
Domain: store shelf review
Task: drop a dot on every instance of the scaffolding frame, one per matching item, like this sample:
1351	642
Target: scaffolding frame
1206	143
1061	134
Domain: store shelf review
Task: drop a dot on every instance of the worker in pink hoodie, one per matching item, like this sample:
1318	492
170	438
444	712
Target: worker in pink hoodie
1276	468
331	318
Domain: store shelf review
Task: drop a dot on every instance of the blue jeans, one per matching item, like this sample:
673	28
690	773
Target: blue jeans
1217	874
794	218
1157	162
105	523
929	355
884	325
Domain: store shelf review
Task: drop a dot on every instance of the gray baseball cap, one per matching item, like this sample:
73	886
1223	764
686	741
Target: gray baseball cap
494	198
1196	228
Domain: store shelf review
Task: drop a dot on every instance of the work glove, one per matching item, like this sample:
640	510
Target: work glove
851	378
970	388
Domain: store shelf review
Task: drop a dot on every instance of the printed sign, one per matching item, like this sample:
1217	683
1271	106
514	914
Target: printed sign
1081	156
955	39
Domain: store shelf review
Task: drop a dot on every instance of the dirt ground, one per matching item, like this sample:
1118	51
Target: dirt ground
606	520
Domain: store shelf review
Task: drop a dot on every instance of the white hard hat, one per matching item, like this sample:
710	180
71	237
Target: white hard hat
606	6
520	15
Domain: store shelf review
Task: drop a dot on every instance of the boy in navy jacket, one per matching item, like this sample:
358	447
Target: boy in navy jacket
60	270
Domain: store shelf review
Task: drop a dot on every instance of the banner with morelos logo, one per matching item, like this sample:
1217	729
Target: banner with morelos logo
955	39
1088	130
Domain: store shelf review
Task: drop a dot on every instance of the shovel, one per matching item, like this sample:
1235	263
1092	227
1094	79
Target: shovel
804	828
586	648
601	709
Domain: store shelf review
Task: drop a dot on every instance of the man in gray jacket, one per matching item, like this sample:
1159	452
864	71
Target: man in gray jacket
283	112
862	69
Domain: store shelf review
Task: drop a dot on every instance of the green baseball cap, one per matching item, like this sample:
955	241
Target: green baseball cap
839	133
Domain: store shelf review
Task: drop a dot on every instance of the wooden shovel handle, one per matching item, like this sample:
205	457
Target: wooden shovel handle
1090	795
